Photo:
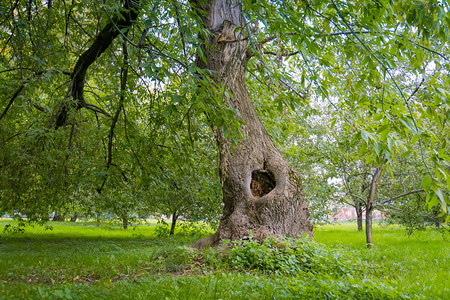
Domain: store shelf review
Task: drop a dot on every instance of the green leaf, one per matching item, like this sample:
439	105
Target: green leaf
426	183
432	200
365	135
442	198
384	131
378	117
378	148
408	125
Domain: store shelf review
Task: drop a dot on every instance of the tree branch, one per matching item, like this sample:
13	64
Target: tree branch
400	196
349	191
97	109
19	90
103	40
436	220
123	86
415	91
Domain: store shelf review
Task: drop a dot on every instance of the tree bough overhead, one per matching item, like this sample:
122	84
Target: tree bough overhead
262	193
120	24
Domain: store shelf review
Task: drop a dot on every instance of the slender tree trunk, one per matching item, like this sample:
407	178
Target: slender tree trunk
262	193
74	217
125	222
369	238
369	204
359	214
174	222
58	218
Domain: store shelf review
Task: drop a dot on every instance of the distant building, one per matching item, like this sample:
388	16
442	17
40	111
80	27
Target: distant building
349	213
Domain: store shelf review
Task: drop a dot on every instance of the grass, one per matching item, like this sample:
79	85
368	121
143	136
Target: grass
81	261
420	261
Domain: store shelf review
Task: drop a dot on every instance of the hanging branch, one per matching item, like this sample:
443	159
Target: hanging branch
123	86
394	81
431	218
17	93
21	87
399	196
179	28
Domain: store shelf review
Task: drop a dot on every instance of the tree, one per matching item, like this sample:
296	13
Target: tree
88	66
262	192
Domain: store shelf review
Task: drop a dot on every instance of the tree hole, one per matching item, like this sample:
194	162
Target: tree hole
262	183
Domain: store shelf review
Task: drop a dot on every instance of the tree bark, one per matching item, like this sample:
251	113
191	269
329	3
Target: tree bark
369	238
174	223
58	218
262	193
74	217
369	204
125	222
359	214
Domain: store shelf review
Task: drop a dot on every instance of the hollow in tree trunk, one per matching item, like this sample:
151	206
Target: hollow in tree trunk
262	193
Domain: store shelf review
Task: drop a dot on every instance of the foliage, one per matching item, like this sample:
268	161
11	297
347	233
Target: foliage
282	255
376	72
380	78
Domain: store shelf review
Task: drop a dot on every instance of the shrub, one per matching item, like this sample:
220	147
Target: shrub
283	255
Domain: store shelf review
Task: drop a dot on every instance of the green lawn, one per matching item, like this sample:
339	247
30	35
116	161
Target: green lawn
420	261
81	261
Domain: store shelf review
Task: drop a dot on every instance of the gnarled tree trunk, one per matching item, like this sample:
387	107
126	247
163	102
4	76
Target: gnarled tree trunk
262	193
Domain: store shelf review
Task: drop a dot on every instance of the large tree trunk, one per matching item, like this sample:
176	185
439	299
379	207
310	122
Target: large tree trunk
58	218
262	193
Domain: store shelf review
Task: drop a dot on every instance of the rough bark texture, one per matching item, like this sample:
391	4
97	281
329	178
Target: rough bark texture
262	193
